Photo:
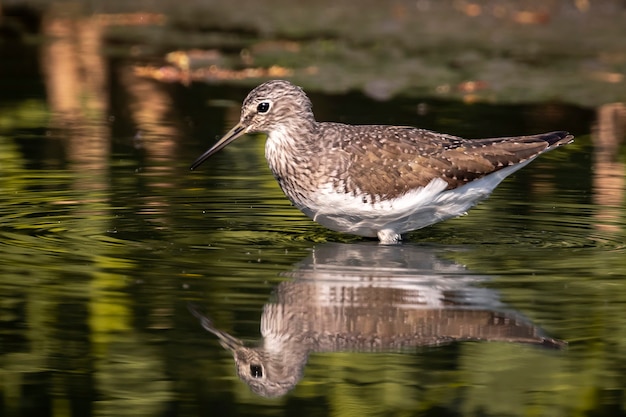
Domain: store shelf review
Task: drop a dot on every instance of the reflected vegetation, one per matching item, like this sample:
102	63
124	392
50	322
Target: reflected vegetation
609	179
370	298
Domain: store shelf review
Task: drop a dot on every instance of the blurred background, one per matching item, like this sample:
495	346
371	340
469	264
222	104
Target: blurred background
106	237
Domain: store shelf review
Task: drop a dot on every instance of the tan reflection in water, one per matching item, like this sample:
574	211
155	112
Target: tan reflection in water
370	298
609	174
77	86
152	110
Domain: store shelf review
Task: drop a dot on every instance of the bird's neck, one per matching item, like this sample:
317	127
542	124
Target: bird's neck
290	151
291	143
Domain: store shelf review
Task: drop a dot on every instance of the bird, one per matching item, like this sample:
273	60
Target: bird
361	297
375	180
269	371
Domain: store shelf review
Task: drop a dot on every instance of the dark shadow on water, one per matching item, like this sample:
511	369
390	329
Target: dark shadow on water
370	298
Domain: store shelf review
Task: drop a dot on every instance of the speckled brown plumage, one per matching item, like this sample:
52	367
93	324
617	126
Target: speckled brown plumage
375	180
385	162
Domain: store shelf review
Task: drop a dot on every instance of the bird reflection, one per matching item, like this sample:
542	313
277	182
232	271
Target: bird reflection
370	298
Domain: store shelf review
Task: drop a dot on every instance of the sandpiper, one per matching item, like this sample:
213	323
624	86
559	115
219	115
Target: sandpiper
375	180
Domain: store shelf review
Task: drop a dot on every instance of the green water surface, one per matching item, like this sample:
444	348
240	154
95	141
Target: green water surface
106	237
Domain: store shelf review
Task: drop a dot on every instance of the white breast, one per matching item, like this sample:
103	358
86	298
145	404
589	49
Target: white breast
390	218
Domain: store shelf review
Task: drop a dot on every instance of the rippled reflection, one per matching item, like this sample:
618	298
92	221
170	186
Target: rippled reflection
610	173
370	298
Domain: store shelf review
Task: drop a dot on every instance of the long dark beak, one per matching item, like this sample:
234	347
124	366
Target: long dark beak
227	341
232	134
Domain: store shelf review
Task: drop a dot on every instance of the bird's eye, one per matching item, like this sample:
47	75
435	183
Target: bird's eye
256	371
263	107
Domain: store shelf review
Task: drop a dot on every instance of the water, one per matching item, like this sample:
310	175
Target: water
106	238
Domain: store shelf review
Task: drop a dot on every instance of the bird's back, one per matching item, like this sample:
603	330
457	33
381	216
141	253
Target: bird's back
384	162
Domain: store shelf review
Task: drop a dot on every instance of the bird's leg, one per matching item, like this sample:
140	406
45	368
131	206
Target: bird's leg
389	237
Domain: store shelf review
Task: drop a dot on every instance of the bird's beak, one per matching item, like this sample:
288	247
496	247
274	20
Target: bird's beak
227	341
232	134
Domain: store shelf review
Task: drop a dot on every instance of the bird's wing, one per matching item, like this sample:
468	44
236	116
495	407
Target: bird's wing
387	161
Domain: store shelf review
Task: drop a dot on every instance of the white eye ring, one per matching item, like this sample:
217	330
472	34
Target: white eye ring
264	106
